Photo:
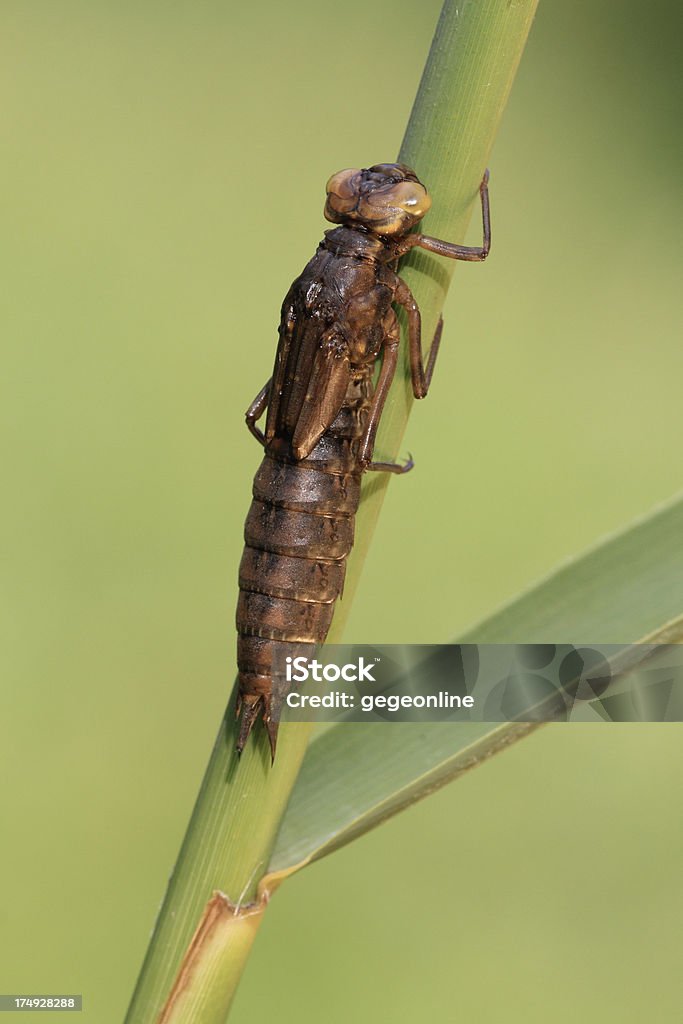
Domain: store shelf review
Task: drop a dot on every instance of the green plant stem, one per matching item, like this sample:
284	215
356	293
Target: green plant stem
227	847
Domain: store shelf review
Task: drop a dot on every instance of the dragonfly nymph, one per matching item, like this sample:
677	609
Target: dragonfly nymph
323	411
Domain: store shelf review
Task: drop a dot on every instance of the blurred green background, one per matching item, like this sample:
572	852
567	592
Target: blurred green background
163	171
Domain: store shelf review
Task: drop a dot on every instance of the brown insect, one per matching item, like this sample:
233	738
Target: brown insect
323	412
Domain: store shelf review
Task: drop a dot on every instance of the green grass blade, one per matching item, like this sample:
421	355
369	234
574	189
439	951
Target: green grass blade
626	590
465	85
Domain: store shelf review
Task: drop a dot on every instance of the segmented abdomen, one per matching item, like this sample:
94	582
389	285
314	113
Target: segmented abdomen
298	533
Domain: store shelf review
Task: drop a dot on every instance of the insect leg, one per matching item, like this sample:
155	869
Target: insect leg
473	254
386	375
391	467
256	410
421	377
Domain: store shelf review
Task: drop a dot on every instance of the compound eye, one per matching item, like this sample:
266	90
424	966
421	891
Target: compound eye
343	183
411	197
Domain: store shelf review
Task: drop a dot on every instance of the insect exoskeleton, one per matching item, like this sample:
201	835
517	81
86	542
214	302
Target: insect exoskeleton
324	403
387	199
